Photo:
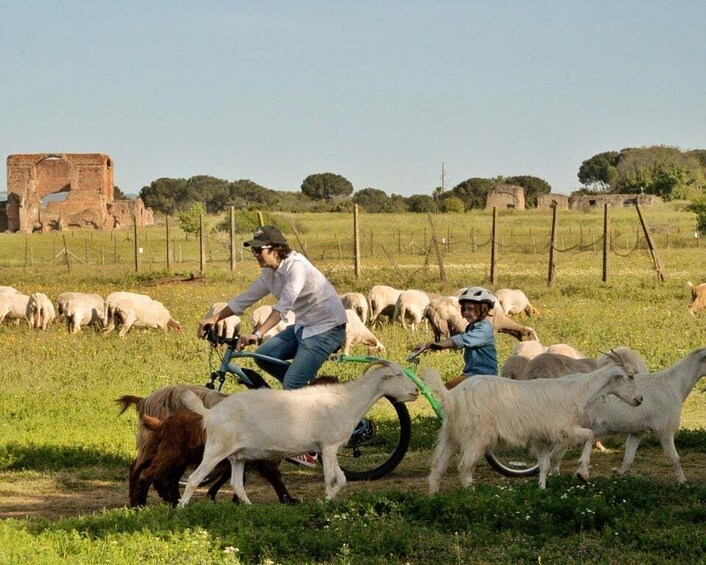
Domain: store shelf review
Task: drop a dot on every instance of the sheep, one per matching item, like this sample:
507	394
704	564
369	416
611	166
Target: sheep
529	349
663	394
114	299
444	316
176	443
318	418
13	305
698	297
227	327
259	315
514	301
551	365
544	413
410	305
356	301
382	300
144	314
40	311
503	324
8	289
356	333
80	309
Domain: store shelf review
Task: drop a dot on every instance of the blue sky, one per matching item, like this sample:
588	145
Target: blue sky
379	92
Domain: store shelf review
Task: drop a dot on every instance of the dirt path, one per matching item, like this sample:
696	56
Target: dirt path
59	495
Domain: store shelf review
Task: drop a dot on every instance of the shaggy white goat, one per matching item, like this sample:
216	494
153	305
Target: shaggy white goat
227	327
410	306
356	333
40	311
13	305
544	414
80	309
514	301
260	314
356	301
663	393
317	418
382	300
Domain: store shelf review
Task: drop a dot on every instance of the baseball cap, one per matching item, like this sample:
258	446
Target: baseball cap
265	235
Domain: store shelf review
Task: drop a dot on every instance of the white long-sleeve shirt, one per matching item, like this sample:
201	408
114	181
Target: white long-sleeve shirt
301	288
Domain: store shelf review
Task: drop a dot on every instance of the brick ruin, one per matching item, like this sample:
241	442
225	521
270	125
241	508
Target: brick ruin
57	191
506	196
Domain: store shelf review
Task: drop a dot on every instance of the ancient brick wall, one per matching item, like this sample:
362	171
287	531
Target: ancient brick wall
506	196
584	201
54	191
545	201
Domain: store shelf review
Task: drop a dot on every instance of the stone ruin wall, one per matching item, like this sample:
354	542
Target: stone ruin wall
86	180
546	201
506	196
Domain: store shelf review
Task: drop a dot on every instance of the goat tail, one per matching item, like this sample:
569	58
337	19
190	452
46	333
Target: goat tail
126	400
194	403
432	379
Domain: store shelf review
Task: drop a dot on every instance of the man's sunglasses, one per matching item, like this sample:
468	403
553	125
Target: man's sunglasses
258	250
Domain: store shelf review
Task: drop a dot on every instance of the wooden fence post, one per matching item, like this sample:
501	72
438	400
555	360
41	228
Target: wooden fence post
232	238
650	245
137	255
492	247
356	241
169	248
202	246
606	242
552	244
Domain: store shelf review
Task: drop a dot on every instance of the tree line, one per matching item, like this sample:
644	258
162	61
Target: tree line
664	171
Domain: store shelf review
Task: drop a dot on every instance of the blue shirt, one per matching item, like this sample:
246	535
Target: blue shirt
479	353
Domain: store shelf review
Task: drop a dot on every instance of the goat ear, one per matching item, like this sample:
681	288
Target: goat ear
152	423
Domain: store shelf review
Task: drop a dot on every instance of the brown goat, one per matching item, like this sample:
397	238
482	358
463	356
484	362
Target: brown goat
698	297
177	443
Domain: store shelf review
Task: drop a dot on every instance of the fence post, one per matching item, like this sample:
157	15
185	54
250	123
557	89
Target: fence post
260	219
552	243
492	247
169	248
606	242
356	241
650	245
137	256
202	246
437	250
232	238
66	256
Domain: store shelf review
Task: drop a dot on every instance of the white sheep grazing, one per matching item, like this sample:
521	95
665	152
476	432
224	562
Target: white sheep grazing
13	306
356	301
260	314
40	311
81	309
141	314
663	394
227	327
356	333
514	301
318	418
503	324
545	414
382	300
114	299
444	316
8	289
410	307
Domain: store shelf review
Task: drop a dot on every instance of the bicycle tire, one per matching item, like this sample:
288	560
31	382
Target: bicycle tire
384	450
513	462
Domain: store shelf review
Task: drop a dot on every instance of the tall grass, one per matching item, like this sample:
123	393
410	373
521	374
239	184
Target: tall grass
59	420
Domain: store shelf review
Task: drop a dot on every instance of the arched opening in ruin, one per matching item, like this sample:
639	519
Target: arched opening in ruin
53	180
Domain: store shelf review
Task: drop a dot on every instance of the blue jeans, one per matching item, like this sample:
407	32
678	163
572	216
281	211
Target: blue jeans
307	354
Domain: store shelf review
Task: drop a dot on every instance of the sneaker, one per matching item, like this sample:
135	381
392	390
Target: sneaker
306	459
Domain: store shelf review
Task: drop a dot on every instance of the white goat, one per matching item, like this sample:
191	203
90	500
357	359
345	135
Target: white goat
514	301
141	314
410	306
318	418
544	414
13	305
663	394
382	300
227	327
260	314
40	311
356	301
356	333
80	309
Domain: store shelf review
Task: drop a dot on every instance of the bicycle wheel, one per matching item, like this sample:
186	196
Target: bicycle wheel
379	442
512	462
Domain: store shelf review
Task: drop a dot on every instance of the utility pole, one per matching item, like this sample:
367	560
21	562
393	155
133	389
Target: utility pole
443	177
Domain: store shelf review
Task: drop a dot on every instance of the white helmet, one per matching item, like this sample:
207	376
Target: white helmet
477	294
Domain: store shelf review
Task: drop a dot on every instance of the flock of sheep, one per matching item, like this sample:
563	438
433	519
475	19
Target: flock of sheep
547	398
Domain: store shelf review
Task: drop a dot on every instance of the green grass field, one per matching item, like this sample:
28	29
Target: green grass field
59	426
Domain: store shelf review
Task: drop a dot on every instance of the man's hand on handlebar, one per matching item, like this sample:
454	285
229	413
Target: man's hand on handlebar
246	339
